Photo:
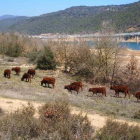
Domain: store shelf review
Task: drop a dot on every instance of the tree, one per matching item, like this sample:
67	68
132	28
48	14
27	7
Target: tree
46	60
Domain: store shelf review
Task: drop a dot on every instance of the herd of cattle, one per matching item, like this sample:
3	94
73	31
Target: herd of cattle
75	86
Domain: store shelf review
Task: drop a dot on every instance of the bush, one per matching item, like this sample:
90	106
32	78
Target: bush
11	45
118	131
55	122
19	124
33	55
57	118
137	115
14	50
46	60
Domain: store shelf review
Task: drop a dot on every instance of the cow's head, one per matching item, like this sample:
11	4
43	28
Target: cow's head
66	87
22	79
111	87
41	83
90	89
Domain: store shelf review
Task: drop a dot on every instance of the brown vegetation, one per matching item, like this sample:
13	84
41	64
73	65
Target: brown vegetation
118	131
55	122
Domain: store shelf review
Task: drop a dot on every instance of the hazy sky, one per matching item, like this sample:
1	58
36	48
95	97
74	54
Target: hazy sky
38	7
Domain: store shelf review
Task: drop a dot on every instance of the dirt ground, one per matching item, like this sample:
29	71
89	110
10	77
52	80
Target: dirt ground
97	121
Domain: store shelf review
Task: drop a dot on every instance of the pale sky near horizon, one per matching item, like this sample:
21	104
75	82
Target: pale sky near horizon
38	7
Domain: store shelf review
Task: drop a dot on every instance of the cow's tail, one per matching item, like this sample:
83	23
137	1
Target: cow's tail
54	83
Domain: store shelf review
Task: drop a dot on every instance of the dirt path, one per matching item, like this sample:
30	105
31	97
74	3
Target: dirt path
98	121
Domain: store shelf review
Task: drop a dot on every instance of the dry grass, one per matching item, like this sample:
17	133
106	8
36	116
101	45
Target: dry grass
15	88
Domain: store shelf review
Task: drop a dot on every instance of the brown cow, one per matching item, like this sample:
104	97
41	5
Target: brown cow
72	87
27	77
98	90
79	84
17	70
137	95
123	89
31	72
48	80
7	73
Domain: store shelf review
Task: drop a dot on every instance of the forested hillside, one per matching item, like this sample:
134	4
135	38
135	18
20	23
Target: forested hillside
81	19
7	22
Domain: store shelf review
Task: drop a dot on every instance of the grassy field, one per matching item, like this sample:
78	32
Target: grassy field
16	89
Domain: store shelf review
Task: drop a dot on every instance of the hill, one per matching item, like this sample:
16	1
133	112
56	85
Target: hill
9	21
7	16
82	19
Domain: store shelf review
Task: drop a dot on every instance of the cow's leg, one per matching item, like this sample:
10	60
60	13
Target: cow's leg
125	95
118	94
48	85
77	91
53	85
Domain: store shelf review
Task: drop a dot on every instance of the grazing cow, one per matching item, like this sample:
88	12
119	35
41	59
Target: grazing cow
137	95
27	77
7	73
98	90
17	70
48	80
79	84
72	87
123	89
31	72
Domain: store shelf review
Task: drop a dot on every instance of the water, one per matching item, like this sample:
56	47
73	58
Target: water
131	45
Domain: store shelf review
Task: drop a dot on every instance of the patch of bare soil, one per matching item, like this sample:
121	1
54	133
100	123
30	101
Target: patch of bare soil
97	121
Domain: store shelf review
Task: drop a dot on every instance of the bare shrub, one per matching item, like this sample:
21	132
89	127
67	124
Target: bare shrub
56	118
129	75
14	45
118	131
55	122
137	115
21	123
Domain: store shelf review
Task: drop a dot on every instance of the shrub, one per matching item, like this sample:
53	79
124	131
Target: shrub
14	50
19	124
137	115
55	122
33	55
46	60
57	118
118	131
1	112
